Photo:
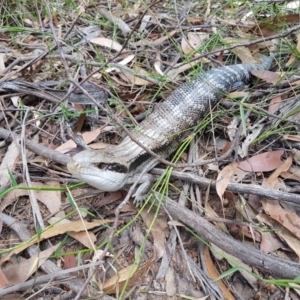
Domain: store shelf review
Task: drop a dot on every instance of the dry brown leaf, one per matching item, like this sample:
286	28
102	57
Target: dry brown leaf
245	231
209	212
243	53
213	274
170	282
3	280
112	197
297	82
108	43
272	181
289	175
194	41
129	276
8	163
222	148
119	80
267	76
282	232
196	20
224	178
123	62
160	40
159	230
238	175
51	199
70	261
270	26
2	65
238	94
235	22
15	101
270	242
75	226
288	219
158	64
293	56
254	201
135	80
175	223
263	162
145	22
88	137
294	171
295	138
274	104
22	271
296	157
174	72
85	238
99	145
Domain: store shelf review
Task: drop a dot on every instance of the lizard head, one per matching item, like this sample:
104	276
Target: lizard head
100	169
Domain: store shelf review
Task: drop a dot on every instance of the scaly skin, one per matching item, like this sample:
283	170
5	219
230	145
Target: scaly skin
163	130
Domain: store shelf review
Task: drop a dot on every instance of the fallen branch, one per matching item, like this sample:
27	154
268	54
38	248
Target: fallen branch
48	153
272	265
234	187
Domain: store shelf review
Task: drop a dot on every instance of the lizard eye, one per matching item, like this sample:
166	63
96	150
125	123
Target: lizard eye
112	167
118	168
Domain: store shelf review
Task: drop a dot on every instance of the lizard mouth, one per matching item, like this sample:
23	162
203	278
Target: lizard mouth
107	179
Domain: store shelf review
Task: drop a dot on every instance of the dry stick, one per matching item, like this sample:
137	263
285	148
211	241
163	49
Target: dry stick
29	89
63	274
274	266
36	213
48	153
234	187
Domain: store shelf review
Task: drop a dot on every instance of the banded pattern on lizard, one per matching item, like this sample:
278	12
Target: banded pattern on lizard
162	131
